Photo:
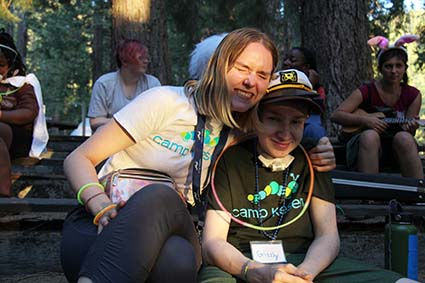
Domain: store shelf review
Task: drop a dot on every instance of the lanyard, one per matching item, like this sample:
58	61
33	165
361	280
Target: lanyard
200	199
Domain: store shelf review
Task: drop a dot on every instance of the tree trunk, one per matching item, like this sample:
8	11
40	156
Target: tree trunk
337	30
99	34
291	25
144	20
269	20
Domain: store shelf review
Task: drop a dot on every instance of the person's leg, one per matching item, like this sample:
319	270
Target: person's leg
5	165
213	274
406	152
127	249
78	234
176	263
369	151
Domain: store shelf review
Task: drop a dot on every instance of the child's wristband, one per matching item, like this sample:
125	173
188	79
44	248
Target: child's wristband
84	187
102	212
245	269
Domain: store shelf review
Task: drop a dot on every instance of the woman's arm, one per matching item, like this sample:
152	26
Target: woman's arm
79	166
413	112
343	115
217	251
322	156
325	246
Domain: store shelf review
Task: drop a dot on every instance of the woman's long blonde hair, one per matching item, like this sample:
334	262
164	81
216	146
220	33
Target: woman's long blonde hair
210	92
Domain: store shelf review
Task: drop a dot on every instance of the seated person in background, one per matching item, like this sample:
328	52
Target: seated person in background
373	141
265	181
113	91
304	60
18	111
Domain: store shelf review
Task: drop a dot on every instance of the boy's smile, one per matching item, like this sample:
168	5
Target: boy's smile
283	127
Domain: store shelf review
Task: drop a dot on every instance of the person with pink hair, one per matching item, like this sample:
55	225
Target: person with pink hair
112	91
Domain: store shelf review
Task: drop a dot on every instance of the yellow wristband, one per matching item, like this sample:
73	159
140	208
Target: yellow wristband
245	270
83	187
102	212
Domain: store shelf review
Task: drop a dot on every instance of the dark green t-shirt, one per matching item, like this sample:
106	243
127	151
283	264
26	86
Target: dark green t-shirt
235	181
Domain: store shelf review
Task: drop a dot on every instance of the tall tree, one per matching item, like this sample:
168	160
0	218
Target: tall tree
337	30
144	20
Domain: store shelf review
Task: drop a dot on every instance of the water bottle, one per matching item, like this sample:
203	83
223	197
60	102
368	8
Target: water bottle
401	245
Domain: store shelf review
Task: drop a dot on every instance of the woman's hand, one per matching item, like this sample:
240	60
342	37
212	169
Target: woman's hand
322	156
276	273
108	216
375	124
411	126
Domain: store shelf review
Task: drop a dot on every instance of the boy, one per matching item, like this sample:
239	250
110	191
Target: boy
265	182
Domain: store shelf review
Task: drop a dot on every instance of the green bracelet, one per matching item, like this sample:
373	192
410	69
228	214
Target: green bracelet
83	187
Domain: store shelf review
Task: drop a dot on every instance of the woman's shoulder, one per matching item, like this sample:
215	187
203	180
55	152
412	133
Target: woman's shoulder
410	89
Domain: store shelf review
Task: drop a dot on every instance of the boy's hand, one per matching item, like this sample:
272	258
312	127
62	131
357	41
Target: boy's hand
322	156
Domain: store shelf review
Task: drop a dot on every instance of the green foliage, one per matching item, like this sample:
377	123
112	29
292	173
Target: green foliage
17	6
60	54
61	34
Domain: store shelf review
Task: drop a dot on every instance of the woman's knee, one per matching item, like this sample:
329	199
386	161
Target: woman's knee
370	140
404	142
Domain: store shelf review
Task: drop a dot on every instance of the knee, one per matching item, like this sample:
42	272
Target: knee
369	140
404	142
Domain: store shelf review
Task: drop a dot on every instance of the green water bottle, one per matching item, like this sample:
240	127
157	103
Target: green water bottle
401	245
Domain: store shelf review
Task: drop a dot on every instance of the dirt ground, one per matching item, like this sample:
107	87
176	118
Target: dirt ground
363	240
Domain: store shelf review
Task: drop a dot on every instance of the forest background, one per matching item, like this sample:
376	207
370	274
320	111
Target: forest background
68	44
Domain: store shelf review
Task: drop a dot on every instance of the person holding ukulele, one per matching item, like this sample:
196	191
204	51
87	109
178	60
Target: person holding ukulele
379	142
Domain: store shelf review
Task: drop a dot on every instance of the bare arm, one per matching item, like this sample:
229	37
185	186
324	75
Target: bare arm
325	246
344	116
413	112
97	122
79	166
217	251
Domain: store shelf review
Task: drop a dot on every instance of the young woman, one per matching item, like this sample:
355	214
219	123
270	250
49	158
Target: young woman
18	110
112	91
153	237
265	181
378	142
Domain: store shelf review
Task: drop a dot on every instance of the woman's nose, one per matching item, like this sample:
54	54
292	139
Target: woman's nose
249	80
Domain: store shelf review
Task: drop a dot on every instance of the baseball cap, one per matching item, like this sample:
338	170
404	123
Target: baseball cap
291	85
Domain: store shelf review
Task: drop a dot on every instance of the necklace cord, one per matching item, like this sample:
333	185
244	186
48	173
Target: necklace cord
256	227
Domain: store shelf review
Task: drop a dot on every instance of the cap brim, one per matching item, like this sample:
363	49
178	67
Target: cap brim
285	95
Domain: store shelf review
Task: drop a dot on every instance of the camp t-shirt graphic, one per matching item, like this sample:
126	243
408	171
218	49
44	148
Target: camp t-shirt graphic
284	198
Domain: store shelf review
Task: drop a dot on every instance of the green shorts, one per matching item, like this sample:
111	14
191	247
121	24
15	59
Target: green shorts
341	270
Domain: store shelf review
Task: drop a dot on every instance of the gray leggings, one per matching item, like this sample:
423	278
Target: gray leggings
152	239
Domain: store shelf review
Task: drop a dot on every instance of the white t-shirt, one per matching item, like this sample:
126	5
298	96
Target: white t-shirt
162	122
108	97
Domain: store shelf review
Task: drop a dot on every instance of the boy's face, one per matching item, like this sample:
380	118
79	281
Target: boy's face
283	128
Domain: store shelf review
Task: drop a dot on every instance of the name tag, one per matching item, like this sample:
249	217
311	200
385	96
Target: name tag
268	251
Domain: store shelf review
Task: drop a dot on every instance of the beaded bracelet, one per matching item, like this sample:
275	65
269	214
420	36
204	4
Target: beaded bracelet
83	187
245	269
92	197
102	212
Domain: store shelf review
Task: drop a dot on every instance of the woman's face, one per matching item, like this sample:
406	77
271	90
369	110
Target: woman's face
140	64
249	77
393	69
4	65
295	60
283	129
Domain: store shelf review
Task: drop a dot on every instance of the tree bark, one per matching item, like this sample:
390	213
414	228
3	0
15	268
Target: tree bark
337	30
144	20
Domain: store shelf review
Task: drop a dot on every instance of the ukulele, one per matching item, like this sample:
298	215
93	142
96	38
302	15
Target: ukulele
361	112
